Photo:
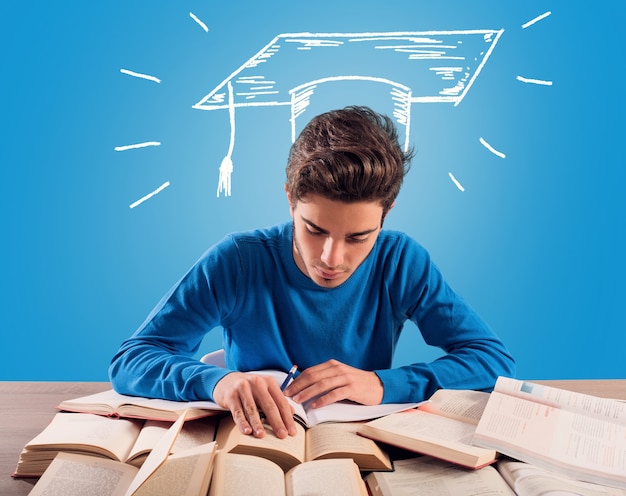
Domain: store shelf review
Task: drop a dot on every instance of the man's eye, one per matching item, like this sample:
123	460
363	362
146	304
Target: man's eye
312	232
358	240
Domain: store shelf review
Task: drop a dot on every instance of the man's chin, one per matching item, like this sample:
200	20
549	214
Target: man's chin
328	281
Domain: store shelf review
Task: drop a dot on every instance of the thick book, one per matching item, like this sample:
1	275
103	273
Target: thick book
426	476
578	435
73	474
243	475
113	404
529	480
123	440
322	441
443	428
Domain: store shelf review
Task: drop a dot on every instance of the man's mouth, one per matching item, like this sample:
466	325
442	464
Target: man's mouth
326	274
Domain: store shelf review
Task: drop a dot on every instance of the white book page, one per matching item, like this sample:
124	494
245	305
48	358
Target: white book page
595	406
560	439
345	411
341	411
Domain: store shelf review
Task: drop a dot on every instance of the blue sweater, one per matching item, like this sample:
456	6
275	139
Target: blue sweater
272	316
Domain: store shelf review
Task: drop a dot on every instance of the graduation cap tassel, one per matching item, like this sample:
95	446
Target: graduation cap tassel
226	167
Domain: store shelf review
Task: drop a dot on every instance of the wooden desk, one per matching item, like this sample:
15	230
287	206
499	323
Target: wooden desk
27	407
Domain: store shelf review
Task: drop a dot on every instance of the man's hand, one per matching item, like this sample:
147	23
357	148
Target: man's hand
246	395
333	381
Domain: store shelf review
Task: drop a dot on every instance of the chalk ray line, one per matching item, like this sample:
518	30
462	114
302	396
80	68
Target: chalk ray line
536	19
492	149
137	145
534	81
140	75
150	195
457	183
200	23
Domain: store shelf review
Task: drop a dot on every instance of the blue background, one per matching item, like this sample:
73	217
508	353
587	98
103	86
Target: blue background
535	243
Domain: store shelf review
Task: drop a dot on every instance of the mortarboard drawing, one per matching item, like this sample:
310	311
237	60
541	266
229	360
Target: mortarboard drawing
293	69
412	67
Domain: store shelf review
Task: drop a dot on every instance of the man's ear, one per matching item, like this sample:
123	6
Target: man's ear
291	205
385	214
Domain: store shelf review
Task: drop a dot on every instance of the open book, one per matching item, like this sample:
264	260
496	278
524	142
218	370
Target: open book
326	440
578	435
123	440
530	480
114	404
443	428
243	475
76	475
341	411
426	476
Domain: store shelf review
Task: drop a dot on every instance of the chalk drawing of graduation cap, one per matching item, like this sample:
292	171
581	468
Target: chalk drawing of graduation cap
415	67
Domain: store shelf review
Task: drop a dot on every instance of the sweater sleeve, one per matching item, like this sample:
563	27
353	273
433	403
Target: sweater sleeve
474	356
158	361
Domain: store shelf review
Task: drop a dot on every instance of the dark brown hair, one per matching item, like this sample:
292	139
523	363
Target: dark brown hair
348	155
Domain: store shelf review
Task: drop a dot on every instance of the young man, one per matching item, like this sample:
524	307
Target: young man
329	291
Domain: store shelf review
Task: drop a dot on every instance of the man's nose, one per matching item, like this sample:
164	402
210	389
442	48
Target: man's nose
332	253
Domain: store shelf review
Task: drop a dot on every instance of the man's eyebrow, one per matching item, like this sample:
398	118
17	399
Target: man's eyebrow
349	235
313	225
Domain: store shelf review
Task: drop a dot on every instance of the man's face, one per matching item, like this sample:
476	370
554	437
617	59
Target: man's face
332	238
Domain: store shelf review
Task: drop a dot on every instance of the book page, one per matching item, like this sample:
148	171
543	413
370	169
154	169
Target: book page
195	433
187	473
425	476
426	433
285	452
157	456
329	440
347	411
595	406
109	437
341	411
325	478
423	425
462	405
151	433
573	444
77	475
243	475
529	480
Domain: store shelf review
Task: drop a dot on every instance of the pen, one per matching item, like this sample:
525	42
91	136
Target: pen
290	374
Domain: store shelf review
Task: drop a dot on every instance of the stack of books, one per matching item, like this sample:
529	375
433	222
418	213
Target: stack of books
522	438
